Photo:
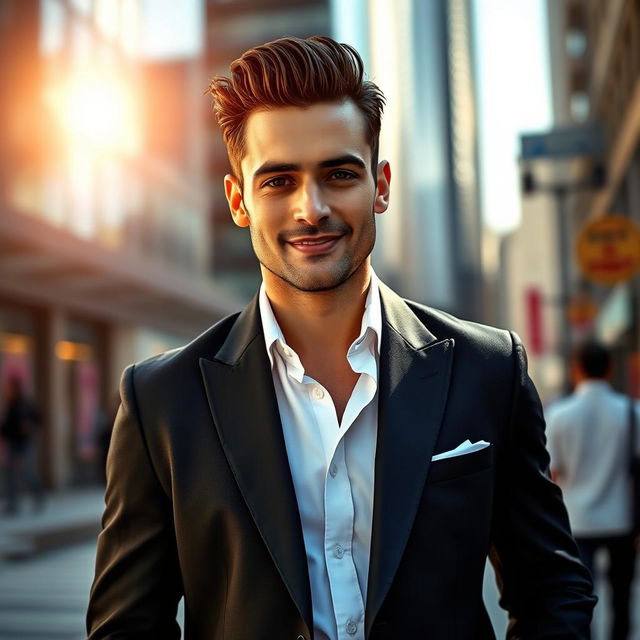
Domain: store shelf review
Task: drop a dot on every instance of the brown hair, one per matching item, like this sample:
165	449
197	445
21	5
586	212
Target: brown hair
293	72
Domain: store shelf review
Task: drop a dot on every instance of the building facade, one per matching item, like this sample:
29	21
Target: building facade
599	82
419	53
104	234
595	73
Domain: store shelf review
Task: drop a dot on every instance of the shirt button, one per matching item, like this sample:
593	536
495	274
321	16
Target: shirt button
338	552
318	393
288	352
333	470
351	627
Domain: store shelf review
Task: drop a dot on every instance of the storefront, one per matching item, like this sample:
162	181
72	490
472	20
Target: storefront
65	377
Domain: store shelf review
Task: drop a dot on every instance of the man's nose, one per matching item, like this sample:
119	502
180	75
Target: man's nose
310	205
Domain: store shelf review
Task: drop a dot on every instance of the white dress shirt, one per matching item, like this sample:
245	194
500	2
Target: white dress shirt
588	442
332	467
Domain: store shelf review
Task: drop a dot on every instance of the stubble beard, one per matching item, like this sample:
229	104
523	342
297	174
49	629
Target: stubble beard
305	280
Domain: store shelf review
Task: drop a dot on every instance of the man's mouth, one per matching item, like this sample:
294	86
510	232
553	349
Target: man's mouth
315	244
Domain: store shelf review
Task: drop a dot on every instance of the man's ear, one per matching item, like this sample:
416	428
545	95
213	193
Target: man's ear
233	191
383	182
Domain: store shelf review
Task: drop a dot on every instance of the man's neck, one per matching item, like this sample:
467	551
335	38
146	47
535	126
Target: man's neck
319	322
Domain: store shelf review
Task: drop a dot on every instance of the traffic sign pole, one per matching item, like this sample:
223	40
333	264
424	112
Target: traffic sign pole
561	194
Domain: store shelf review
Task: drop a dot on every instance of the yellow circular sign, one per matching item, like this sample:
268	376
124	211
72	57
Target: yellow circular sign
608	249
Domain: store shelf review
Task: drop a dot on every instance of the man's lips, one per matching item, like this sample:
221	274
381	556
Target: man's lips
315	244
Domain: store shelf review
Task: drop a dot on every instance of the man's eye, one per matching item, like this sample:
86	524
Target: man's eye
277	182
342	174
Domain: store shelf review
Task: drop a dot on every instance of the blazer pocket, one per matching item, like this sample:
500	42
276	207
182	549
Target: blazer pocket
459	466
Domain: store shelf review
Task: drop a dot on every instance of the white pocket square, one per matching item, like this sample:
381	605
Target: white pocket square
461	450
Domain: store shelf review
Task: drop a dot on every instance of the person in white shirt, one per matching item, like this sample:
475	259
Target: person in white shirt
588	437
334	462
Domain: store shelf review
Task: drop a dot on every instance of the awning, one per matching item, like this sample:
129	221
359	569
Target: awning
41	264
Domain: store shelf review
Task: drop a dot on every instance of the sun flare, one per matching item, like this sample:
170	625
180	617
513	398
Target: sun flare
99	112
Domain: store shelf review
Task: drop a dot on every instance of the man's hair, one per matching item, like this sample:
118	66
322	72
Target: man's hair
593	358
292	72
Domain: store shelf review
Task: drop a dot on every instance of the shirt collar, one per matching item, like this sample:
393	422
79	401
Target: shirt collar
371	320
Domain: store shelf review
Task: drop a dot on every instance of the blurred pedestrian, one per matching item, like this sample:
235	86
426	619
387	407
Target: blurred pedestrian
588	439
18	429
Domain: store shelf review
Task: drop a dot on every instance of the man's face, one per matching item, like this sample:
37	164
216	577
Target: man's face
309	198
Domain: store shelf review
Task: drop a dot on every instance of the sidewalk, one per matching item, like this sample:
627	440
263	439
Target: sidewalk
67	517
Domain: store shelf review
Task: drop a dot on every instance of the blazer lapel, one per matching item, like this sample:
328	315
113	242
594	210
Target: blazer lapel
414	379
244	407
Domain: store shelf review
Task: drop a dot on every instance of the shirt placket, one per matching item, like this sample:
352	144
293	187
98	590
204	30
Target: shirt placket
348	604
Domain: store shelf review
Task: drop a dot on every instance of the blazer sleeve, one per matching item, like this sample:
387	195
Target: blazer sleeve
554	439
137	583
545	588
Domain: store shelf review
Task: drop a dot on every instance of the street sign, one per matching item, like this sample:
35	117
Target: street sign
608	249
563	142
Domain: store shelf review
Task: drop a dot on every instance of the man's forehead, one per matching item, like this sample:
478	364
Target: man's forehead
305	134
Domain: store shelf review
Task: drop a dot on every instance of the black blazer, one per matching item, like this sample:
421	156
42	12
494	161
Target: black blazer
200	500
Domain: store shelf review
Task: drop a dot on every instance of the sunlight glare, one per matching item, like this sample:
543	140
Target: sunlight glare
99	112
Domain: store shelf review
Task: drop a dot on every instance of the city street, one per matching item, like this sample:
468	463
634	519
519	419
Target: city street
162	162
45	597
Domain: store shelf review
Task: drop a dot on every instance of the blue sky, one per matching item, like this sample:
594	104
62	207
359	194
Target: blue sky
172	28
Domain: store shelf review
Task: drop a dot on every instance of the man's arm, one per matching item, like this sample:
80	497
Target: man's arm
137	582
545	588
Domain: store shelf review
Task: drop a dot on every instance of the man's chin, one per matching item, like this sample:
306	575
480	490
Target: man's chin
313	282
317	287
317	284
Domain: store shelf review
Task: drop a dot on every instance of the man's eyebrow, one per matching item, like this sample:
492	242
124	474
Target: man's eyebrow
348	158
281	167
272	167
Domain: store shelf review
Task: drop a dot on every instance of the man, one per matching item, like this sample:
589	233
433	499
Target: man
18	429
589	435
334	462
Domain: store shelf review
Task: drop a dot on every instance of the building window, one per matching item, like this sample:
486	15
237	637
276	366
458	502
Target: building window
580	106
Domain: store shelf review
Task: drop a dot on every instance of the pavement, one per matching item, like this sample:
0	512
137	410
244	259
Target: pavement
66	518
45	596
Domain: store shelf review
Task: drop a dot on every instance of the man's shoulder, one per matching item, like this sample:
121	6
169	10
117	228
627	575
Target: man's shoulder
183	362
467	334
